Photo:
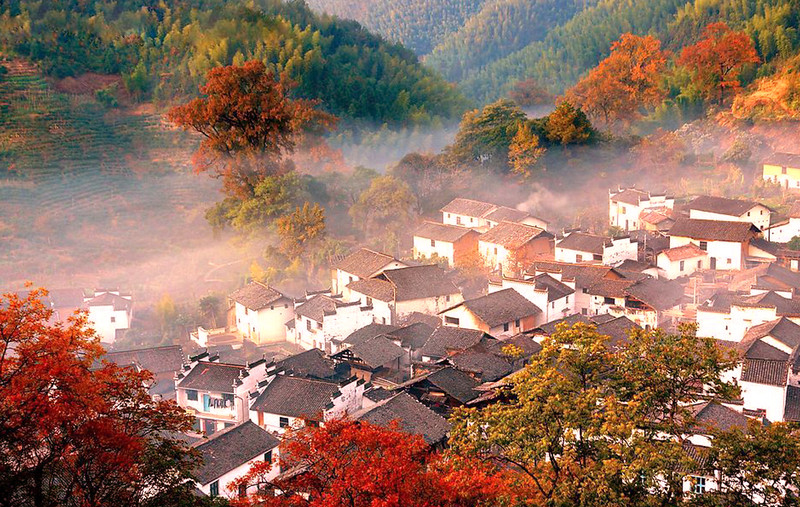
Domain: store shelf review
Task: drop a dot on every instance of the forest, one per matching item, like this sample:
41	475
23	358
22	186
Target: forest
163	50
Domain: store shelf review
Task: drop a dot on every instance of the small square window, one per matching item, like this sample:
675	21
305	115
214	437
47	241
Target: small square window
505	326
516	322
191	394
213	489
268	457
699	486
283	422
730	261
451	320
681	265
433	242
113	319
704	246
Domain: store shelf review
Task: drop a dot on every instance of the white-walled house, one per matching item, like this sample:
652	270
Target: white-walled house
322	319
770	368
217	393
110	313
682	261
784	230
579	276
502	313
482	216
363	263
509	247
728	316
400	292
577	247
229	454
261	313
707	207
555	298
726	242
626	205
782	168
284	401
649	302
456	245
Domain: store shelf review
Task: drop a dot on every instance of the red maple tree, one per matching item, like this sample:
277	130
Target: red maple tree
364	465
717	60
249	123
75	431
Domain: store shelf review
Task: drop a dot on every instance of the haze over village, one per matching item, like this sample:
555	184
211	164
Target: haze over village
268	253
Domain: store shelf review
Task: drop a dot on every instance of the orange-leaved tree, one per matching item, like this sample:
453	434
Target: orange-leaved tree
716	61
628	80
249	122
75	431
363	465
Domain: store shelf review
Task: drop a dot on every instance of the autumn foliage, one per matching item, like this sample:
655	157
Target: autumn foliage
627	81
249	123
360	465
74	432
717	60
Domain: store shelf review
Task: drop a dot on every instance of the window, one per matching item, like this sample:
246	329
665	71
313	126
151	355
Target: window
451	320
268	457
213	489
783	170
505	326
369	301
495	250
227	398
567	300
191	394
209	426
228	425
308	324
680	266
113	319
585	290
286	305
553	304
283	422
242	490
730	261
458	220
271	307
516	322
578	257
383	320
748	213
699	264
624	210
448	215
433	242
584	311
597	257
319	325
196	424
699	486
447	299
608	301
704	246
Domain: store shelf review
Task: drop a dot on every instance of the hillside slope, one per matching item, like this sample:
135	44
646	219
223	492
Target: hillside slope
417	24
163	50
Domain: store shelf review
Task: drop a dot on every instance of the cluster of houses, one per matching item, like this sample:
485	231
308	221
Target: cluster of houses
409	340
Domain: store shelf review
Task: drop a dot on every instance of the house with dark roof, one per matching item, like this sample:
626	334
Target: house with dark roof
783	229
261	313
410	415
322	320
770	364
399	292
443	389
378	359
228	455
726	242
360	264
482	216
782	169
453	244
578	276
448	340
215	393
556	299
657	219
312	363
708	207
162	362
682	260
617	329
509	247
281	401
110	313
727	315
649	302
577	247
504	312
626	205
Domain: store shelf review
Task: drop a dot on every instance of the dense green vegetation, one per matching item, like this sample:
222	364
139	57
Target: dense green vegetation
568	51
164	48
499	29
417	24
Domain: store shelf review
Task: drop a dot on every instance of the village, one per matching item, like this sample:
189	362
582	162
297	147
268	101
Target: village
410	340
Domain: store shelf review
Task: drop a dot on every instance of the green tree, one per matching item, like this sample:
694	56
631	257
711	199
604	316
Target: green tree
524	152
384	212
568	125
301	230
484	136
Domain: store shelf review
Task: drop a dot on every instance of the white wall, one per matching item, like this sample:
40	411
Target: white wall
494	256
758	216
672	270
442	249
265	325
575	256
342	278
620	249
723	251
761	396
784	233
551	311
106	321
225	480
464	221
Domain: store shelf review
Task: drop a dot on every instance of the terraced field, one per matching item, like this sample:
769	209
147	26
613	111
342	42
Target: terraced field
94	197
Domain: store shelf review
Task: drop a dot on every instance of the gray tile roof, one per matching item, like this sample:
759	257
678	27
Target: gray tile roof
295	397
618	330
364	262
256	296
657	293
761	371
713	415
468	207
378	394
375	288
455	383
486	365
513	236
419	282
377	351
506	214
583	274
782	329
721	205
792	407
713	230
584	242
443	232
501	307
214	377
311	363
167	359
631	196
784	159
446	338
231	448
555	289
412	417
783	306
414	335
367	332
320	305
